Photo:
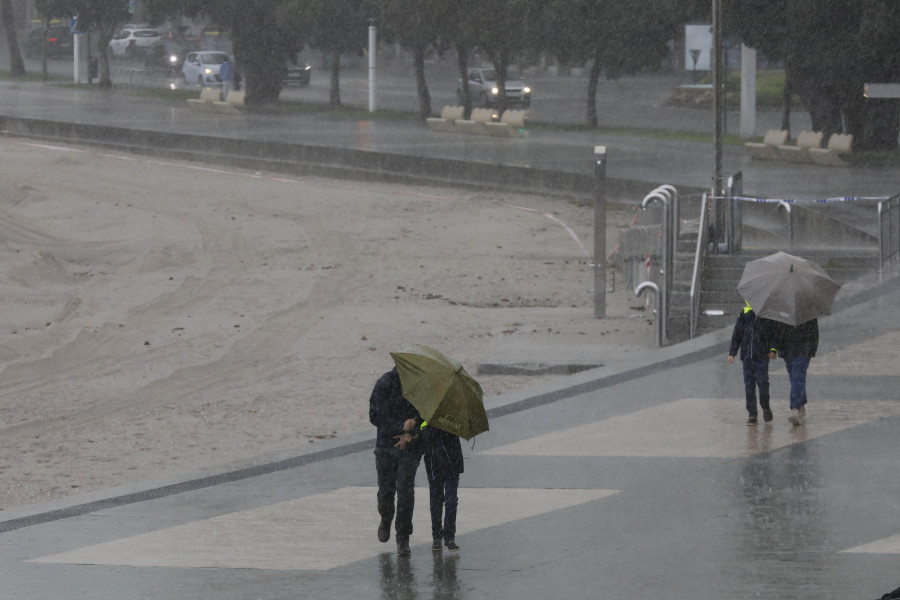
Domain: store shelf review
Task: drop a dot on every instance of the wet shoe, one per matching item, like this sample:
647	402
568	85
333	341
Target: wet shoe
384	531
451	546
795	417
403	546
767	415
751	421
436	545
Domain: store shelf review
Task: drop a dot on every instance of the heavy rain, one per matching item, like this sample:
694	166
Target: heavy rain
205	272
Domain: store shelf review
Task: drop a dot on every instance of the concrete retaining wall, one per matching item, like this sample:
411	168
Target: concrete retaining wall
326	161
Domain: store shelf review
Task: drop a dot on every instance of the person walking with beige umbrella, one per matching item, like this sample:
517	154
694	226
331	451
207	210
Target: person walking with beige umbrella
794	292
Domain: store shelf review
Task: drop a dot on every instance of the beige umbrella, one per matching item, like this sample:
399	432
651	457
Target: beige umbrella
787	288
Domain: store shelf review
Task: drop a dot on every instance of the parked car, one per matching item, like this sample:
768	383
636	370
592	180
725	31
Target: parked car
57	40
166	55
132	43
484	90
202	67
298	74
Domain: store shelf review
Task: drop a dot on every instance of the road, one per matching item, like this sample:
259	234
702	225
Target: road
558	99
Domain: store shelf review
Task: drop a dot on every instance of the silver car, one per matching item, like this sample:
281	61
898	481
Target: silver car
202	67
484	90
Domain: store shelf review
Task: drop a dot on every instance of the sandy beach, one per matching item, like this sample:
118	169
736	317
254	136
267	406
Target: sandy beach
160	316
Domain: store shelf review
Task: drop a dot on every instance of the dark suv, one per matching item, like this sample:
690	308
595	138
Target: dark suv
58	41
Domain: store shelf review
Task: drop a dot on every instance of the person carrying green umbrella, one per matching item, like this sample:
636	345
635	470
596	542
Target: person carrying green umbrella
397	456
452	403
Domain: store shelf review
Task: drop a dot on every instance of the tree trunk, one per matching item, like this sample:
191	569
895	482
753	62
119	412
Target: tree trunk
421	84
16	64
334	98
465	95
45	75
261	65
501	66
786	101
593	84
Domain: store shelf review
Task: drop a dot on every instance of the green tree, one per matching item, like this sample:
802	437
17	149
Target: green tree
830	49
509	30
104	17
336	27
261	36
416	25
614	36
459	30
48	10
16	64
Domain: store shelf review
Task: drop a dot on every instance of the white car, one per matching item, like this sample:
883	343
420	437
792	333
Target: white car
133	42
203	67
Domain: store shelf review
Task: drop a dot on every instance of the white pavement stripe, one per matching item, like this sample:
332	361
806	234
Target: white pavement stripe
699	428
890	545
316	532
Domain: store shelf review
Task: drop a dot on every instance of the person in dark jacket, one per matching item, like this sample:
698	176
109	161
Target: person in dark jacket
397	456
443	457
751	335
797	345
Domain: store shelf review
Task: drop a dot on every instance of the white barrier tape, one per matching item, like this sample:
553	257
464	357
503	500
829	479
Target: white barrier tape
794	201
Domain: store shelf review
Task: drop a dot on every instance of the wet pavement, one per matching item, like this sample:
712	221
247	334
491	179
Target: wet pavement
642	481
627	481
646	160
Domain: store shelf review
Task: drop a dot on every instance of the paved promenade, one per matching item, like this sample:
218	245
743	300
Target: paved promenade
627	481
614	483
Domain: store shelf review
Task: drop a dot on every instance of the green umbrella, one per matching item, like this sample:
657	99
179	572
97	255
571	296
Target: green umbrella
442	391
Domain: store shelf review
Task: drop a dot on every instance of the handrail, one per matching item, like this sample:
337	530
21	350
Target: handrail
645	285
790	223
888	230
668	258
699	255
672	193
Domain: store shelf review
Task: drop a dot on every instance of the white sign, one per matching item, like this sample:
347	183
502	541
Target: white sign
882	90
698	47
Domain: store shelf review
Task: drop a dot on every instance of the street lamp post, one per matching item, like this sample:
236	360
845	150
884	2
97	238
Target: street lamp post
600	232
718	95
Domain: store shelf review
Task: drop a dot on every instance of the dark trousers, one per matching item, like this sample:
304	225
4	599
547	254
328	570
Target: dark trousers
444	500
796	369
756	374
396	471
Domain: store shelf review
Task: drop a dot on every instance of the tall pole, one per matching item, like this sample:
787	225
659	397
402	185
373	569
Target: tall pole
718	92
600	232
372	48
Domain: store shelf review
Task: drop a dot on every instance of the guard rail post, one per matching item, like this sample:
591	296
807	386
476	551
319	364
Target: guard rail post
649	285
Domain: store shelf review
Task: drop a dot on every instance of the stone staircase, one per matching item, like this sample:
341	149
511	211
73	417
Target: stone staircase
849	230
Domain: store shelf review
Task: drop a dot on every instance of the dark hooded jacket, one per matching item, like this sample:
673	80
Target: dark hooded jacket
389	410
443	451
800	340
753	336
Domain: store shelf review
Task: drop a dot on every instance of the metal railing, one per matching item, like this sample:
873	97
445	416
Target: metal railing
699	257
889	229
668	197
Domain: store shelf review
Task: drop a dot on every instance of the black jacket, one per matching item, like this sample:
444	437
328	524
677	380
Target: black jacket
443	451
389	410
801	340
753	335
